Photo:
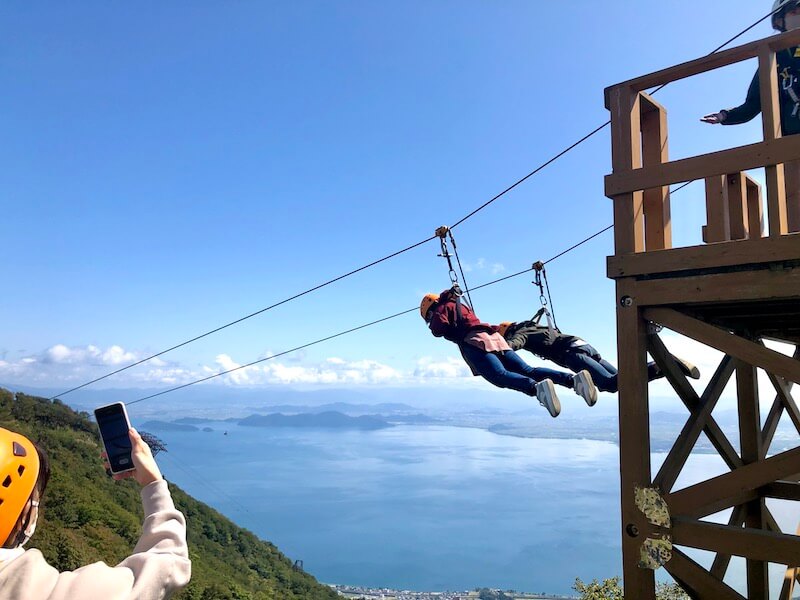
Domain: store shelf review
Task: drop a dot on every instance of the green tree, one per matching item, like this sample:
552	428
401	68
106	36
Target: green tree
611	589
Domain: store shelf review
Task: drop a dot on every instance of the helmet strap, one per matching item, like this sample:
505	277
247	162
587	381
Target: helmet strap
28	528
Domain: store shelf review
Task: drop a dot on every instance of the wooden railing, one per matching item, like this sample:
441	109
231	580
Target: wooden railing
642	171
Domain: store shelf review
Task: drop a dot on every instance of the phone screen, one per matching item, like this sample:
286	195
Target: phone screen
114	425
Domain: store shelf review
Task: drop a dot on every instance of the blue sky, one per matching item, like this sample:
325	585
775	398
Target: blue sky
170	167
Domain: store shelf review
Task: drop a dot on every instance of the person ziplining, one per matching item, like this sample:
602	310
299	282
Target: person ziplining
570	351
575	354
488	354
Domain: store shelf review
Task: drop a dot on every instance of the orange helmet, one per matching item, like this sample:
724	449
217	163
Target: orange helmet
19	472
428	300
503	327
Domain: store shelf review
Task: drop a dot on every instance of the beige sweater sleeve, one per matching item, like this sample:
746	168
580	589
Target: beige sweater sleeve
158	567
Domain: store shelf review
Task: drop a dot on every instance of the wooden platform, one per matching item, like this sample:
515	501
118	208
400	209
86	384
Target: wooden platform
731	294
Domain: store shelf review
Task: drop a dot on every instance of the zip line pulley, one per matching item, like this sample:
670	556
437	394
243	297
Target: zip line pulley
443	233
546	301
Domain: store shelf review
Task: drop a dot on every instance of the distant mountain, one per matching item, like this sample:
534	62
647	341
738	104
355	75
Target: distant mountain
167	426
418	419
342	407
88	517
325	420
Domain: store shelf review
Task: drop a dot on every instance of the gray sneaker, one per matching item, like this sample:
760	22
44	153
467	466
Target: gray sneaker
687	368
584	387
546	394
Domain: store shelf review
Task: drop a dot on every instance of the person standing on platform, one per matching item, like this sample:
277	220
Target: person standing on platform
785	17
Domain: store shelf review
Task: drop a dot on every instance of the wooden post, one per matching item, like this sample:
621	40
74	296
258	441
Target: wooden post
626	155
750	438
755	213
655	151
770	110
791	171
634	440
718	227
736	185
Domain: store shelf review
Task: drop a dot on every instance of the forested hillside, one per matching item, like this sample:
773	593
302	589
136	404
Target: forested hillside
89	517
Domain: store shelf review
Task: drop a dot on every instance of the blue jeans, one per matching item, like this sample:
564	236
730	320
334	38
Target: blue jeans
508	370
604	374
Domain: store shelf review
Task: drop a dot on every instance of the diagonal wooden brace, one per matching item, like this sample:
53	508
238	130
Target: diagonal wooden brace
721	339
756	544
733	488
700	582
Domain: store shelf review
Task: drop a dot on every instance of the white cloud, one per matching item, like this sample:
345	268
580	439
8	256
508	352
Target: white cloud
90	355
237	377
333	370
449	368
483	265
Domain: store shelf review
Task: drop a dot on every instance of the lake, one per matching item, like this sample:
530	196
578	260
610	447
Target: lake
417	507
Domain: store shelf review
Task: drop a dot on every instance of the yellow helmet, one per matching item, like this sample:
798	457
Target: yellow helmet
428	300
503	327
19	472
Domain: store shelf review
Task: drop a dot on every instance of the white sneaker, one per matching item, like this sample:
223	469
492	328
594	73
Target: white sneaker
584	387
687	368
546	394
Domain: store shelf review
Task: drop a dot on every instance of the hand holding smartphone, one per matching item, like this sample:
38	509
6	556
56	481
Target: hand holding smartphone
112	420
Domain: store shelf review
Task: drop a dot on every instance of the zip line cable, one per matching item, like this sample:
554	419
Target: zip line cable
258	312
370	324
192	473
593	132
394	254
255	362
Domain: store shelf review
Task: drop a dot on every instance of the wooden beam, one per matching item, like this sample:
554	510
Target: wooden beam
755	544
717	228
789	577
764	250
783	399
722	340
707	63
680	451
736	188
791	174
762	285
626	154
750	443
782	490
785	396
729	489
721	162
771	120
702	583
634	444
771	425
755	214
655	150
690	399
721	561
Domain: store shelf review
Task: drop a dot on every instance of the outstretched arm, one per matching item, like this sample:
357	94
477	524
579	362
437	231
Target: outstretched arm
740	114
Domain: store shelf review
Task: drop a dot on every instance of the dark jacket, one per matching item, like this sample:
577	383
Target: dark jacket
539	339
788	73
446	323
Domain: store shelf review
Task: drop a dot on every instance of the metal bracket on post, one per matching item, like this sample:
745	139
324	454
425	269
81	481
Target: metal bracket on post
654	328
655	551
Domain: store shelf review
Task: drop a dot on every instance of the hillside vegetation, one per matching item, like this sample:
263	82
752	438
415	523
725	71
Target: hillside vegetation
87	516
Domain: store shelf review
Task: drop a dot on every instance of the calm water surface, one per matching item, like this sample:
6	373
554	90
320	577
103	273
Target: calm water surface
426	508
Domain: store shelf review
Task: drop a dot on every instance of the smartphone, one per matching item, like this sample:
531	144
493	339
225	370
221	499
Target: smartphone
112	420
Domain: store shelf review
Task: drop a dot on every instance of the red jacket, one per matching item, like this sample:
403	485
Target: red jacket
445	322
